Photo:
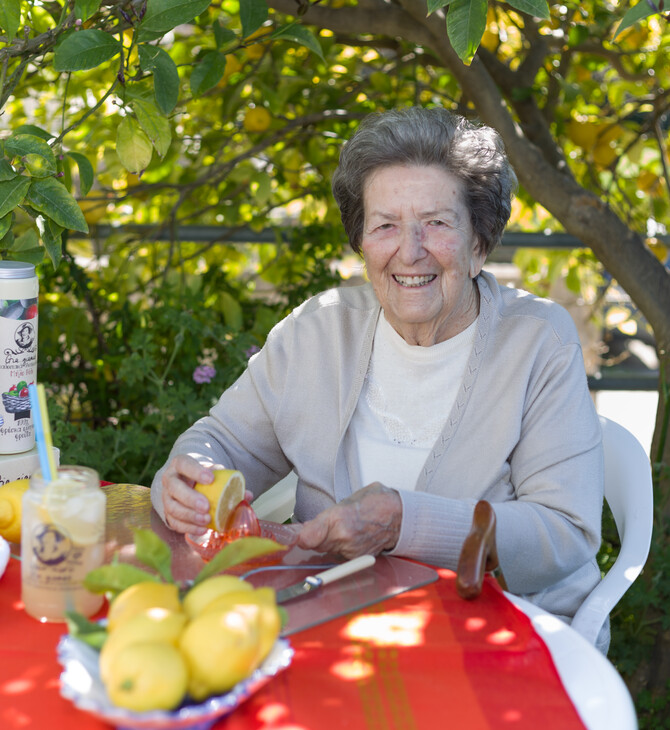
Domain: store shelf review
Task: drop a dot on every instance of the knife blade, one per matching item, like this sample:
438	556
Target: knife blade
313	582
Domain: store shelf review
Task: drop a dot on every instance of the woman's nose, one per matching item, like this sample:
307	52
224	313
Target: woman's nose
411	246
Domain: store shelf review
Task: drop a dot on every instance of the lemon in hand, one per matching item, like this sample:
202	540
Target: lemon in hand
141	596
150	675
223	495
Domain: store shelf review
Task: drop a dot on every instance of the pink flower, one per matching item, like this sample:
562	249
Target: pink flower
204	374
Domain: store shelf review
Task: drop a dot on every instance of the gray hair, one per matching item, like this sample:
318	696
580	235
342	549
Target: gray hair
474	154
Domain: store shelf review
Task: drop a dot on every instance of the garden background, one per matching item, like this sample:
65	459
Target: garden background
167	164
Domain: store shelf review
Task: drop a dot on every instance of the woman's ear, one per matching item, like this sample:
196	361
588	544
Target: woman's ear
476	260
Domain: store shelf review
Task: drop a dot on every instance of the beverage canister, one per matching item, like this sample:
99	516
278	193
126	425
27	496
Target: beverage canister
19	288
62	540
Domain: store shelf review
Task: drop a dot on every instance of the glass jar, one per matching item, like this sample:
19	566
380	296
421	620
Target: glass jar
62	540
18	354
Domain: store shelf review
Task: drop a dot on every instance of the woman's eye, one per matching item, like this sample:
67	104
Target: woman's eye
385	227
436	222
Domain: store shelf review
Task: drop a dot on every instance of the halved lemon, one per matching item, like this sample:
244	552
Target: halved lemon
75	511
223	495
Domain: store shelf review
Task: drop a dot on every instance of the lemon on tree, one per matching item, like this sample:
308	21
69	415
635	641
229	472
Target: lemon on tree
257	119
202	594
223	495
153	624
148	675
220	649
140	597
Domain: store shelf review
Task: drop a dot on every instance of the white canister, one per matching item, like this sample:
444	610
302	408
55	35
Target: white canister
19	288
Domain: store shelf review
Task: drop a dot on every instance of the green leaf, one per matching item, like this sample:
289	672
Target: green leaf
38	166
434	5
133	146
31	255
164	15
466	23
7	172
35	131
223	36
26	241
536	8
86	173
166	76
5	224
152	551
154	124
50	197
12	193
84	50
239	551
207	74
83	9
10	17
301	35
253	13
232	311
642	10
20	145
116	578
52	238
90	632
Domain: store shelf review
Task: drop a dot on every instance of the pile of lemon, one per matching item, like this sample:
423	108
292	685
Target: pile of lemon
162	649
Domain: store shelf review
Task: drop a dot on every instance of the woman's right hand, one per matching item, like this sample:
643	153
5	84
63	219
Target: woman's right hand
185	509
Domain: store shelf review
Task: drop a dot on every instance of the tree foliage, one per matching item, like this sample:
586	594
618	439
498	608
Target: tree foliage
170	114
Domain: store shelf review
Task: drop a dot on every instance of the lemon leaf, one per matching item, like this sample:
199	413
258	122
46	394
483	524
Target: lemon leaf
116	578
133	146
238	552
90	632
152	551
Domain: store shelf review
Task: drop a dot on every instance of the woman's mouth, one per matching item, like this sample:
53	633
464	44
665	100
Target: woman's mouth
414	281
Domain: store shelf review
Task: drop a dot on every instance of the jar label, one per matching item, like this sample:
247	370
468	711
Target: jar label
18	369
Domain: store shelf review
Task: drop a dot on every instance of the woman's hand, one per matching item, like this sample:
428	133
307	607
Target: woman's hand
367	522
185	509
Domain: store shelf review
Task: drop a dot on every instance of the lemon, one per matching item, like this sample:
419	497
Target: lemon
223	495
220	649
139	597
261	608
202	594
11	495
257	119
154	624
74	510
149	675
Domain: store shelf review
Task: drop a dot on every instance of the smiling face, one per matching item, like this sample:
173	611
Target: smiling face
421	252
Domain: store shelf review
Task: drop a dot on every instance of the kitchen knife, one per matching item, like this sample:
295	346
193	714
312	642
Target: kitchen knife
327	576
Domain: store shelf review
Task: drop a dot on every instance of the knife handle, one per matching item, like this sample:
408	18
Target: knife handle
342	571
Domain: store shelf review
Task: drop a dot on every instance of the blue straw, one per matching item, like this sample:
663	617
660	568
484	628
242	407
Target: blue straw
39	434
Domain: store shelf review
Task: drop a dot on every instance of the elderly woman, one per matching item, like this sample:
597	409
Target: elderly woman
401	403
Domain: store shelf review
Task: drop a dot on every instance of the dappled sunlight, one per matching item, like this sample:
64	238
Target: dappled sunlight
501	637
475	623
393	628
353	668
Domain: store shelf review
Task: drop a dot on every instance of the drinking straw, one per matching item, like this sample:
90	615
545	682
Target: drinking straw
38	402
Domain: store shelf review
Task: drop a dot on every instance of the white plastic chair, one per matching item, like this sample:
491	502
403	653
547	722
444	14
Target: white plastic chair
629	494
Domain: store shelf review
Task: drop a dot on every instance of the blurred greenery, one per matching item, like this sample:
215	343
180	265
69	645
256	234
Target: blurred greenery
231	114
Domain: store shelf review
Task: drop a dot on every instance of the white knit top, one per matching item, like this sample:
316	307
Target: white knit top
407	395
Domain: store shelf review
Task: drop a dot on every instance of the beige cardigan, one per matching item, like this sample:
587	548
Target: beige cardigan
523	434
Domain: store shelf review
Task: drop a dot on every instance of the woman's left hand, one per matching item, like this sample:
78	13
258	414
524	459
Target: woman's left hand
367	522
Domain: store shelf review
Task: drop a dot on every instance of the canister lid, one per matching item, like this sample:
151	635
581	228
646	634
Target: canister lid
16	270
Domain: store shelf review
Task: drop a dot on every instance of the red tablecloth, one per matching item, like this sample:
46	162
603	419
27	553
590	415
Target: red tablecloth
424	659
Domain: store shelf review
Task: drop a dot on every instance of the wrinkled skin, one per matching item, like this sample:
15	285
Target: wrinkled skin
367	522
